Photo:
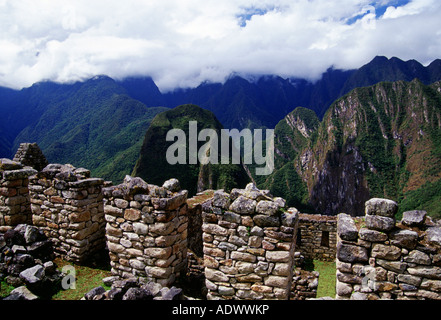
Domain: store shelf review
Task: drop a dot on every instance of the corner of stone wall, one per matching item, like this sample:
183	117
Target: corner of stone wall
147	229
318	237
379	258
15	207
30	154
249	243
68	206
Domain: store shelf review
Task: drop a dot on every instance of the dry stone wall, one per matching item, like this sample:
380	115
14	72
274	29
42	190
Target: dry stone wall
15	206
304	284
249	243
68	206
147	229
29	154
383	259
317	237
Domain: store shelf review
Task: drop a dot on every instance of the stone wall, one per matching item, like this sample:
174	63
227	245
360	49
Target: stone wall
15	207
249	243
304	284
147	229
68	206
379	258
195	205
317	237
29	154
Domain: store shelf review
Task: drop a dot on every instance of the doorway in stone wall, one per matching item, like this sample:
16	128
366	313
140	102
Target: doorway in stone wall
325	239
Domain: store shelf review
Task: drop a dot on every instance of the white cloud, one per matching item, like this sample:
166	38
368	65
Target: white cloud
182	43
412	8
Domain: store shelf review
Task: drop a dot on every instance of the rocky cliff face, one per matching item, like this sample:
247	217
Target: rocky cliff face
292	135
378	141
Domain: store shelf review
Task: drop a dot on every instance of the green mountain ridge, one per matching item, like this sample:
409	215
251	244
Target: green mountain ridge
373	141
376	141
94	124
154	168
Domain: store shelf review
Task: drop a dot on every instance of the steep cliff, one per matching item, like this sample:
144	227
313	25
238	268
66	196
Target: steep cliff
377	141
291	135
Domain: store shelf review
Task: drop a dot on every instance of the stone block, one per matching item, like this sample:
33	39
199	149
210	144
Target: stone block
418	257
412	280
226	291
214	229
243	256
132	214
221	199
431	285
431	272
381	207
157	272
231	217
343	289
172	185
346	228
433	235
395	266
351	253
385	252
276	281
245	267
266	207
290	218
278	256
243	205
404	238
140	228
372	235
159	253
349	278
215	275
414	218
266	221
380	223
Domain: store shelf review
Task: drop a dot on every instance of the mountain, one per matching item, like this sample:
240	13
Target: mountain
100	123
377	141
143	89
264	101
394	69
238	103
261	103
291	136
153	165
92	124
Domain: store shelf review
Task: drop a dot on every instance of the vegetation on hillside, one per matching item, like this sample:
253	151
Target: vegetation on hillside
94	125
154	167
377	141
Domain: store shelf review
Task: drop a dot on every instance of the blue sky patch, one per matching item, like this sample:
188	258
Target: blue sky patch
378	8
250	12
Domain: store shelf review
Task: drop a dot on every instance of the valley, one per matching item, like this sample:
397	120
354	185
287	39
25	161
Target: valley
351	135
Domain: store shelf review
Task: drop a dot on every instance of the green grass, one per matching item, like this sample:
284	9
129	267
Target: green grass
87	278
327	270
5	289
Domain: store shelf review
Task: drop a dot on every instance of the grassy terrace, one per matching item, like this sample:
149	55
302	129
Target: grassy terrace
327	270
89	277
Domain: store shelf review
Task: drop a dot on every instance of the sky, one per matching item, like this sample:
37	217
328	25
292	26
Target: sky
181	43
